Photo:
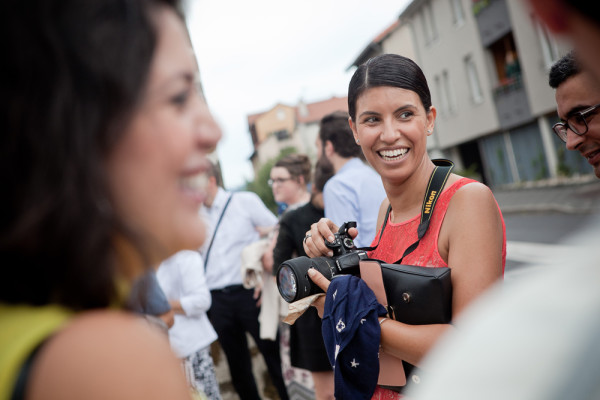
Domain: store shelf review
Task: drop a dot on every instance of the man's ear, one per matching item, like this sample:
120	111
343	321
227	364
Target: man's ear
329	149
554	13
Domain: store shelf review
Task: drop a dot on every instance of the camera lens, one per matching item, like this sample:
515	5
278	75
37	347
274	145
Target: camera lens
287	283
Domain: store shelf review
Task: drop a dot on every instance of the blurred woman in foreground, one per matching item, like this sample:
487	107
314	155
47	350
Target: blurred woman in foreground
103	151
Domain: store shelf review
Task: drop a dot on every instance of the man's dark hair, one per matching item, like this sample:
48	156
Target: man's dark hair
563	69
323	171
335	128
215	170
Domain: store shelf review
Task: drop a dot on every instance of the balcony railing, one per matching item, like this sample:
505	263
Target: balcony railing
512	104
479	5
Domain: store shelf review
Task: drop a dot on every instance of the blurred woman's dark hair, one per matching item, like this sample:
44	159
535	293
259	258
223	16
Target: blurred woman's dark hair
388	70
73	74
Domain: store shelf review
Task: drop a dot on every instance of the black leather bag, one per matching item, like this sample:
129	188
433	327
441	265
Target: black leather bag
418	295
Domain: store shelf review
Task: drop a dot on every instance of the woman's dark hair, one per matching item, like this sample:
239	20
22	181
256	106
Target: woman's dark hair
297	165
388	70
74	71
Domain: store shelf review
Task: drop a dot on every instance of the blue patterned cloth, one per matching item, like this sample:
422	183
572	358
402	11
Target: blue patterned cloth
351	333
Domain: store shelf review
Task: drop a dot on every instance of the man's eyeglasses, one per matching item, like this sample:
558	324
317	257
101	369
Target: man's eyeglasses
577	123
271	182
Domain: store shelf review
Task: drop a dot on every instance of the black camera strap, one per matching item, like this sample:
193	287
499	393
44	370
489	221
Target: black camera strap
437	180
215	231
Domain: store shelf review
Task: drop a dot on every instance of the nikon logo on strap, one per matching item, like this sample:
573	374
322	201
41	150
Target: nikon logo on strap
429	202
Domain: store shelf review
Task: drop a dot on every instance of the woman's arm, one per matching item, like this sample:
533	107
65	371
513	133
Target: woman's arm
473	240
195	297
107	355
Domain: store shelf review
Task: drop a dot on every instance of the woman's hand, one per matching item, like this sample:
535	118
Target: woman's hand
314	241
321	282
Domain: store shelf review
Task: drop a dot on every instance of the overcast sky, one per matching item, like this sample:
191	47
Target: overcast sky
255	54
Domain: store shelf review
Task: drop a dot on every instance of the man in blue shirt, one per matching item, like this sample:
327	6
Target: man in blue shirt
355	192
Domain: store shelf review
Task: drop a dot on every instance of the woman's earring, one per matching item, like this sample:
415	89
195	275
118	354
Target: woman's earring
428	130
357	141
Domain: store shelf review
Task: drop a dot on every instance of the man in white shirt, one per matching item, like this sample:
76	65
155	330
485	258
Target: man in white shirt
235	220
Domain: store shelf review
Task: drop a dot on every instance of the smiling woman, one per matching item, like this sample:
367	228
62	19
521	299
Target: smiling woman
102	155
391	115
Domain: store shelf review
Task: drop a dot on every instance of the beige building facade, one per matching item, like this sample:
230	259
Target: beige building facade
487	66
285	126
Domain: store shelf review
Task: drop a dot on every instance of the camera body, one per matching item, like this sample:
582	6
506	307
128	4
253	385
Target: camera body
292	276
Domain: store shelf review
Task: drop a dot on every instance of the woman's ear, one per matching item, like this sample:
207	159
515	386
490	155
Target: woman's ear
354	132
431	115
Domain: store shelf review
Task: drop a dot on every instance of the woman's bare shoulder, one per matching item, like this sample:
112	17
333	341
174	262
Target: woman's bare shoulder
472	191
107	354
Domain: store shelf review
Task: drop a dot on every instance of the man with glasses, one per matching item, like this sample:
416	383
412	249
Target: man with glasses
578	103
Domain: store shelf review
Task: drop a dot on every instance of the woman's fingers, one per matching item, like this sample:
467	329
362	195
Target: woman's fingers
314	241
318	279
321	282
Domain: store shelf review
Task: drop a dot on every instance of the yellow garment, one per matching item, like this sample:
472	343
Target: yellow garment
22	329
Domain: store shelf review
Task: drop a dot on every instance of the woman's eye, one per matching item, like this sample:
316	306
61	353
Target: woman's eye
180	99
370	120
405	115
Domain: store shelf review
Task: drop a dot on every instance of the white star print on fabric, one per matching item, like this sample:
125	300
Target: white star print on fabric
353	363
340	325
337	350
362	321
334	294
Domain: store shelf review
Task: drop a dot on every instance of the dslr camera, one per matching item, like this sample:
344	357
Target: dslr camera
292	276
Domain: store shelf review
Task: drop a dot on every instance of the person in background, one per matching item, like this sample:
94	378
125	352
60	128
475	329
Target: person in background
181	277
307	349
103	148
578	103
355	192
234	310
391	115
289	179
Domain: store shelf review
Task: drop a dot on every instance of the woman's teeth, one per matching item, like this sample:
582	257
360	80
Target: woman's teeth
196	182
392	154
